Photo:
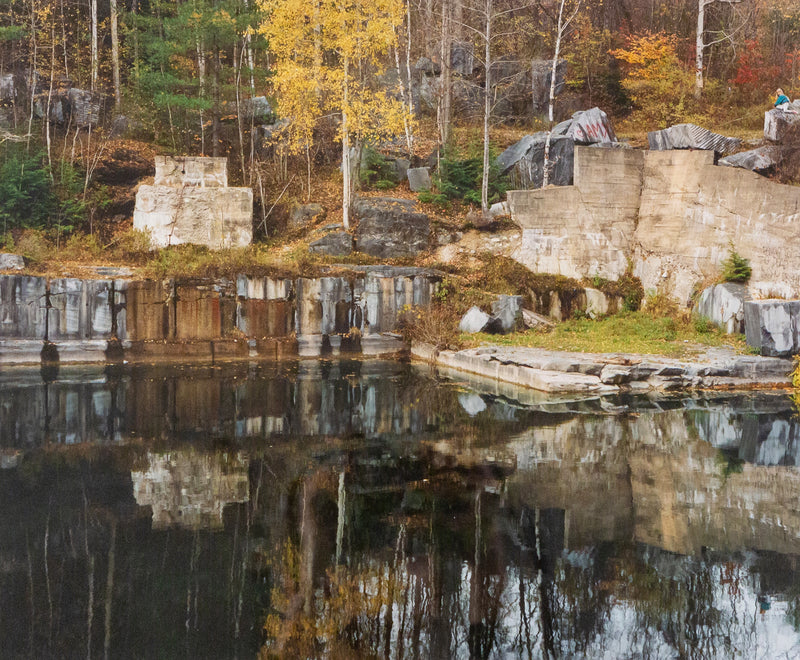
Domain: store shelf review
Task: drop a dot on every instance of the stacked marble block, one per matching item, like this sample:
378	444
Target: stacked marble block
190	202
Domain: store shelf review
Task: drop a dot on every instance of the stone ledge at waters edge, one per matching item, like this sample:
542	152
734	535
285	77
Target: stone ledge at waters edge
598	374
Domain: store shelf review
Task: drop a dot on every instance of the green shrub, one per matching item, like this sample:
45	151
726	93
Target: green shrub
735	268
377	170
460	179
27	199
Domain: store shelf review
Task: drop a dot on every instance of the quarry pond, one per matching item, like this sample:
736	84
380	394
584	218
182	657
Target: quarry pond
349	508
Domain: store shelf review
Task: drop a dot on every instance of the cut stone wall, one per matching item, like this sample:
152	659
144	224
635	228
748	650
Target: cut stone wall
584	229
72	320
692	211
190	202
672	214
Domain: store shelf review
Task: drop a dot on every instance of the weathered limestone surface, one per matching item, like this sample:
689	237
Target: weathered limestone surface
773	326
190	202
691	212
584	229
673	214
74	320
723	304
599	374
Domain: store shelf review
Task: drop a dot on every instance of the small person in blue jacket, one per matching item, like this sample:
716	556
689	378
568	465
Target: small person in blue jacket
782	102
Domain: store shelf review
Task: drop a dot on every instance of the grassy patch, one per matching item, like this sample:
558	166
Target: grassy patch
628	332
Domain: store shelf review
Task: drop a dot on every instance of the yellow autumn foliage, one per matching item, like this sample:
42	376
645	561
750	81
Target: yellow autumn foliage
327	56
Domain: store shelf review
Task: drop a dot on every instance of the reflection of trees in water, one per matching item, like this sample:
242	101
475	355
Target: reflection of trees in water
445	567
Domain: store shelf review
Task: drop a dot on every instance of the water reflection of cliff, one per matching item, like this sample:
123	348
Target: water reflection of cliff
191	489
370	510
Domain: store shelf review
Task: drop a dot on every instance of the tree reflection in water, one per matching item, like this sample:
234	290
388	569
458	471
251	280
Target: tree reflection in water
349	510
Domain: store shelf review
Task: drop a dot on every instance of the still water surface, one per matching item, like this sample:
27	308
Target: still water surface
351	509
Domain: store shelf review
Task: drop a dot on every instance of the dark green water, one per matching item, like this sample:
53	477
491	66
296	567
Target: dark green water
369	509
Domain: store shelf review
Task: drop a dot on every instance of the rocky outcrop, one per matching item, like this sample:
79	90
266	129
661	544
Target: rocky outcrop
190	202
773	326
390	228
723	304
73	320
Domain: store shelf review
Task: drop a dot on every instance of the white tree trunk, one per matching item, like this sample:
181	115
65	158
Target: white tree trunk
346	184
93	9
487	109
699	46
115	54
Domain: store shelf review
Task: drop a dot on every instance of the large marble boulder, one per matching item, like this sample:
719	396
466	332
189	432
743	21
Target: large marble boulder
691	136
475	320
390	228
776	122
723	304
523	162
773	326
588	127
755	160
507	312
11	262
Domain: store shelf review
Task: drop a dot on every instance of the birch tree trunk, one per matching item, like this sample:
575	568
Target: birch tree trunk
94	65
346	185
698	65
487	109
115	54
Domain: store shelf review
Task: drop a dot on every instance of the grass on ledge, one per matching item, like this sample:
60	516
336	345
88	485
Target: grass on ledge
627	332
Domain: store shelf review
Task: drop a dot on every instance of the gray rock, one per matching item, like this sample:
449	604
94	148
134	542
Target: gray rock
723	304
337	243
614	374
755	160
84	107
534	320
541	75
475	320
427	67
401	166
772	326
257	108
462	57
507	311
691	136
472	403
419	178
11	262
302	215
7	91
776	122
389	227
588	127
498	209
523	162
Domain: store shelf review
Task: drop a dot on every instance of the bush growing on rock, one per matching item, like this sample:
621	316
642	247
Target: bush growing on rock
735	268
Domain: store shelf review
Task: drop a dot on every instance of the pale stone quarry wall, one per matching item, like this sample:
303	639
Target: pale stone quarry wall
190	202
584	229
74	320
692	211
672	214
